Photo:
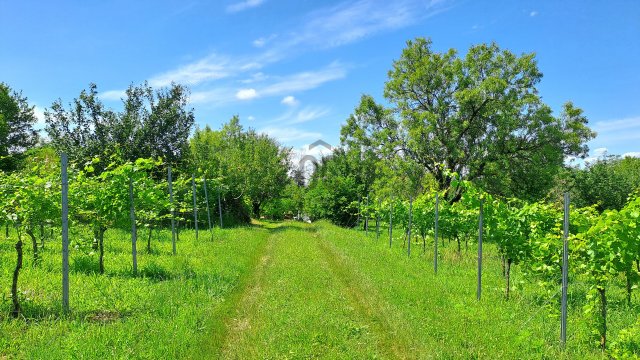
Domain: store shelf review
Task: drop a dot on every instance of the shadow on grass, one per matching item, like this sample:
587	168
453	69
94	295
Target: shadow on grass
280	226
34	313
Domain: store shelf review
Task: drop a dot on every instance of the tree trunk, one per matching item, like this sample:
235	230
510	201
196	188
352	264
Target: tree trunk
149	239
6	230
424	243
508	276
101	248
628	276
466	243
42	235
34	244
14	286
603	318
256	209
504	268
459	247
178	231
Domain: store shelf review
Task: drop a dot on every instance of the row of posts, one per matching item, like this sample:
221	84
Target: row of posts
65	222
565	251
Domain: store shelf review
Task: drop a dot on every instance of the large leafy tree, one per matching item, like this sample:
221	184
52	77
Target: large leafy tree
17	134
243	164
338	186
478	116
269	166
152	123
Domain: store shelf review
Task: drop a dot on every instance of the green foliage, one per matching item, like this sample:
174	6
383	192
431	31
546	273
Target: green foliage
627	344
17	134
606	182
245	166
477	115
337	186
153	124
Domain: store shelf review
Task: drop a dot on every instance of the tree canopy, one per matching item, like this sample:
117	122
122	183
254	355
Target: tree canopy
478	116
152	123
17	134
245	164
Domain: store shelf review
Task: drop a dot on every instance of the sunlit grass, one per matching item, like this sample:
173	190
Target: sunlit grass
287	290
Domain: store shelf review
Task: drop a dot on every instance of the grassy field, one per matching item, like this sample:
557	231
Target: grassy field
285	290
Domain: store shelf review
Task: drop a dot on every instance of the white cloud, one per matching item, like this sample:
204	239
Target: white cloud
617	125
289	101
351	21
533	13
276	86
256	77
210	68
305	115
112	95
246	94
305	80
596	154
289	134
39	113
632	154
599	152
218	96
613	132
251	118
330	26
244	5
262	41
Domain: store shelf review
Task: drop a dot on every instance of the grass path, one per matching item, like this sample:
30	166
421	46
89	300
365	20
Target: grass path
391	331
296	306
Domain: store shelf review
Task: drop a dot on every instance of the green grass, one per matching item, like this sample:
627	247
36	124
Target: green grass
166	312
287	290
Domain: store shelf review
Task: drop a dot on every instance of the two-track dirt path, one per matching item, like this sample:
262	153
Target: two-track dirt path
305	299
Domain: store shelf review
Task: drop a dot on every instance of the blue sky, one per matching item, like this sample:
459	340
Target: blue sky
296	69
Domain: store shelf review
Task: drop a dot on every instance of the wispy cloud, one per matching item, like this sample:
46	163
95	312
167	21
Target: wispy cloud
533	13
274	86
215	97
348	22
214	79
599	152
290	134
631	154
244	5
256	77
305	80
613	131
210	68
617	125
112	95
39	113
262	41
307	114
